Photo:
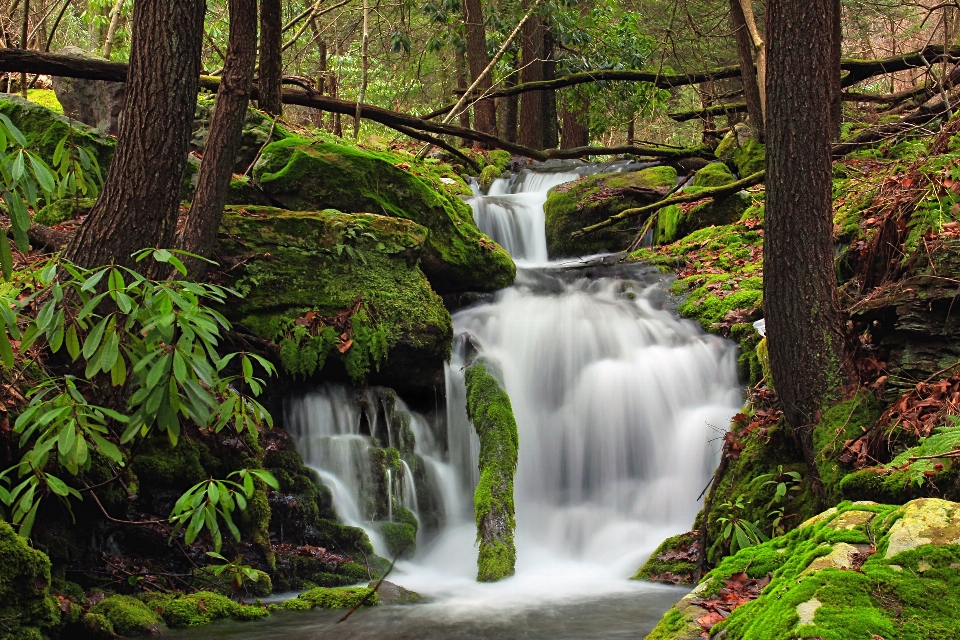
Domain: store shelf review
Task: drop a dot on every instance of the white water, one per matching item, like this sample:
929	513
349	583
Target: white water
619	405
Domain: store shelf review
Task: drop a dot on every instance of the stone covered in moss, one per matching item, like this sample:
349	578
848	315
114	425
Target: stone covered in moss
128	616
307	176
677	221
676	561
715	174
339	598
740	150
593	199
45	98
861	570
202	608
400	534
26	607
292	263
487	176
258	130
488	406
63	210
44	129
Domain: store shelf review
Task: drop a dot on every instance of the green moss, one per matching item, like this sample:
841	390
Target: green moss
309	176
97	627
592	199
709	309
45	98
656	565
487	176
44	129
159	465
340	598
326	262
715	174
401	534
750	157
202	608
26	607
62	210
488	406
499	158
129	616
671	626
839	424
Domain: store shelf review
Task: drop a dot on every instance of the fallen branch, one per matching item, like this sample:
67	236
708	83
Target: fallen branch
703	194
700	151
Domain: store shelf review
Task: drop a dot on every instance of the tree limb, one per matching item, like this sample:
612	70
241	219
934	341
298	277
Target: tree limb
702	194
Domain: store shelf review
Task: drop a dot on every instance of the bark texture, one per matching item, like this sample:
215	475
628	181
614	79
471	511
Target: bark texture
271	56
485	111
531	70
200	231
551	125
140	200
574	130
509	111
800	285
745	52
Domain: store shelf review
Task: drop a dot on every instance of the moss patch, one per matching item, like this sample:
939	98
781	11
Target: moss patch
129	617
26	606
310	176
715	174
202	608
63	210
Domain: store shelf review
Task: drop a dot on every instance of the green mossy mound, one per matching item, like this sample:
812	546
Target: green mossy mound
201	608
715	174
128	616
488	406
27	609
575	205
859	570
63	210
44	129
258	130
674	561
400	535
339	598
291	263
742	152
678	221
487	176
45	98
307	176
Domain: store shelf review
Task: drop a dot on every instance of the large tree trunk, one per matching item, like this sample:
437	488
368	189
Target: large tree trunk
462	85
745	53
805	336
140	201
551	126
575	132
271	56
509	107
836	55
226	127
485	111
531	70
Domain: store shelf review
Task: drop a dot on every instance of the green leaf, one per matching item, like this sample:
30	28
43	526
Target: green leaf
73	344
58	152
17	168
43	174
6	350
26	525
213	493
107	448
6	256
57	485
92	342
67	440
14	132
266	477
118	373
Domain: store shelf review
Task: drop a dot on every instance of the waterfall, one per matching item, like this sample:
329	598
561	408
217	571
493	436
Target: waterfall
620	407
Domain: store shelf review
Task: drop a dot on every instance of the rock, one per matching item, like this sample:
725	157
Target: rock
741	151
842	556
288	264
715	174
26	607
925	521
487	176
593	199
129	617
63	210
678	221
258	130
306	176
807	610
95	103
676	561
44	130
391	593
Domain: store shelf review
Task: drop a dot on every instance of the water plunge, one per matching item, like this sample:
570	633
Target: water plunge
619	405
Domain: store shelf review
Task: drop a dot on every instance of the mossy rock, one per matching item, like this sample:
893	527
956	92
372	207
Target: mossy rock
306	176
326	262
258	130
400	534
242	192
129	617
203	607
677	221
575	205
740	150
45	98
44	129
335	598
26	606
63	210
859	570
715	174
674	561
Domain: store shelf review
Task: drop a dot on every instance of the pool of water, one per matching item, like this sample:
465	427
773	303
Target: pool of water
631	614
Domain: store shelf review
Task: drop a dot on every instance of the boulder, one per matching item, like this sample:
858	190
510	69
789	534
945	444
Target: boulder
258	130
96	103
741	151
678	221
860	570
26	606
593	199
308	176
298	270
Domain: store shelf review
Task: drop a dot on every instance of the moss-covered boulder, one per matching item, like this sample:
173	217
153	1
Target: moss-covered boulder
336	598
676	561
309	278
859	570
309	176
44	129
742	151
489	409
258	130
200	608
677	221
62	210
129	617
575	205
715	174
27	609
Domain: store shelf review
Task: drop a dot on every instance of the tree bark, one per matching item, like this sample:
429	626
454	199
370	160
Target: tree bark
551	125
271	56
531	70
836	88
226	127
801	306
575	132
140	200
484	111
464	117
509	108
745	53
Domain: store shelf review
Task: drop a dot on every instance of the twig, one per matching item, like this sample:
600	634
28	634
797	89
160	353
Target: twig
369	595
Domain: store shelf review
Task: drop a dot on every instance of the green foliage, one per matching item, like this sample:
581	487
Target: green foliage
203	607
235	570
737	531
339	598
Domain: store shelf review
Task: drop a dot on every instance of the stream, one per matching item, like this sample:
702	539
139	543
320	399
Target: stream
620	407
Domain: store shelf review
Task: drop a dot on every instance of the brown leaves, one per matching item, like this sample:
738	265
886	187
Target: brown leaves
738	589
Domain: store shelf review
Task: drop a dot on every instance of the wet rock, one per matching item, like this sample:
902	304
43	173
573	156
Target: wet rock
95	103
391	593
925	521
741	151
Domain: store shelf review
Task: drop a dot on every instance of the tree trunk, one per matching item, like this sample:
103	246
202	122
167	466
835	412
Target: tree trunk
551	127
140	201
226	127
271	56
531	70
321	83
575	132
509	110
464	117
745	53
836	54
805	336
112	29
485	111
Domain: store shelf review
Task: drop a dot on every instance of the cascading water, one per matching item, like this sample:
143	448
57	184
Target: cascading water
617	402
